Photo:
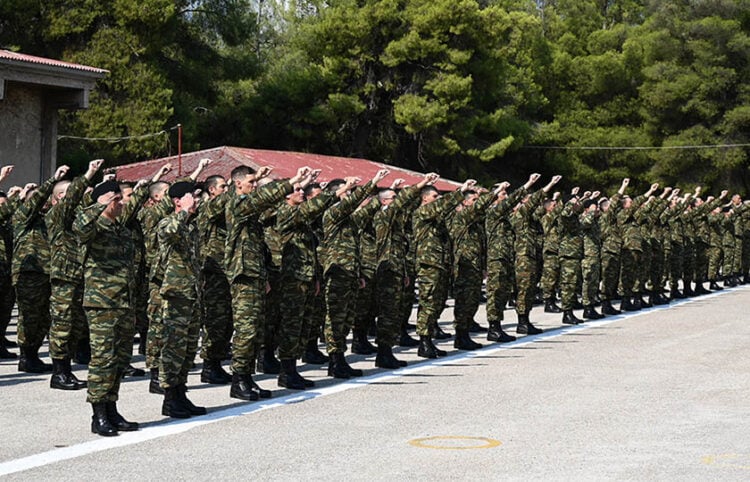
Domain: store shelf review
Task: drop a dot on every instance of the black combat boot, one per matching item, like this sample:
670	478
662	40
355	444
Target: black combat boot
636	304
173	405
439	334
192	408
496	333
242	388
675	294
353	372
131	371
117	420
475	327
551	307
405	340
336	368
153	384
29	362
312	355
688	291
590	313
213	373
289	377
62	376
100	423
729	282
713	285
570	319
361	345
608	309
5	354
267	362
463	341
700	290
644	302
525	327
385	358
426	347
577	305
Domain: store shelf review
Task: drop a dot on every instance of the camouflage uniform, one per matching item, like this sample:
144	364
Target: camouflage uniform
180	315
66	272
108	298
217	302
550	250
30	269
739	217
654	234
674	219
528	245
727	242
611	248
571	253
341	265
298	270
272	252
715	252
632	248
392	248
365	311
7	293
469	259
315	314
500	254
245	265
410	292
591	263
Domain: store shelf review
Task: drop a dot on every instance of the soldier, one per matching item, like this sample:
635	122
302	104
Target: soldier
267	362
550	252
245	265
180	316
500	256
611	247
341	269
571	254
433	260
108	299
727	245
392	271
739	214
66	274
30	271
715	252
217	303
8	204
591	262
527	248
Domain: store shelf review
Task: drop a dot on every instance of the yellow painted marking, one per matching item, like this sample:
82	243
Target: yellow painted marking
424	443
728	460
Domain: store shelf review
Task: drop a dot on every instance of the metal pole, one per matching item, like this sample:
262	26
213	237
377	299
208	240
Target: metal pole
179	150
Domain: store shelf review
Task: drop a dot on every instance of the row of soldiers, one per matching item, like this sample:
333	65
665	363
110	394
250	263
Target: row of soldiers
263	267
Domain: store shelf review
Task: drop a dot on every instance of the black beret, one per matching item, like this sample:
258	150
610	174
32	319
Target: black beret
105	187
588	203
179	189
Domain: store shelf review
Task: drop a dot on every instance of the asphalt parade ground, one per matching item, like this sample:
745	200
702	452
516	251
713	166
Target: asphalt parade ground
660	394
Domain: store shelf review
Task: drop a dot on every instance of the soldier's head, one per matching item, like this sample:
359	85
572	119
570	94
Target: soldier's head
524	200
429	194
3	198
736	200
126	189
244	182
59	191
386	197
604	204
181	194
312	190
335	184
549	205
626	202
590	206
297	196
501	196
215	185
108	192
157	190
470	197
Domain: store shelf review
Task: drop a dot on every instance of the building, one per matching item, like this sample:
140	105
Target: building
32	90
285	164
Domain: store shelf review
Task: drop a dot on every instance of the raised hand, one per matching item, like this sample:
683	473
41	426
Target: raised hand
5	172
93	168
380	175
468	185
61	172
106	198
398	182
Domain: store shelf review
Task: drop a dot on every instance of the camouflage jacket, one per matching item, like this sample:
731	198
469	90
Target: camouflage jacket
632	238
271	238
738	218
716	229
672	218
108	270
498	229
6	235
431	233
30	246
149	217
392	244
610	230
341	225
244	252
212	226
569	228
368	250
467	233
728	239
592	235
298	241
550	225
528	231
179	251
66	261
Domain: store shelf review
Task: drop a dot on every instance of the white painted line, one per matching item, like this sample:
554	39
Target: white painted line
180	426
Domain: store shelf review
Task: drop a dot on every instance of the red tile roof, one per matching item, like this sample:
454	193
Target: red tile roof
31	59
285	164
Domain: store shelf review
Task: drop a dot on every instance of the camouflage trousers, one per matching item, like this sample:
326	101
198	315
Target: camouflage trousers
654	264
527	273
364	312
33	292
155	327
499	287
273	312
315	318
550	274
688	262
7	300
142	295
591	271
217	316
408	299
248	313
727	268
737	256
715	258
433	292
610	275
745	262
341	302
701	262
675	265
389	290
111	340
298	296
68	318
570	273
467	292
180	318
630	272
